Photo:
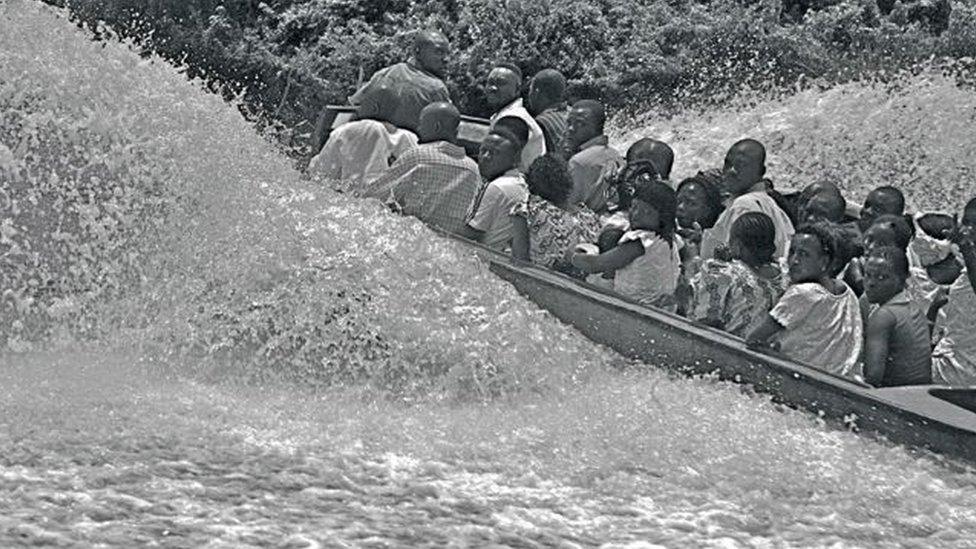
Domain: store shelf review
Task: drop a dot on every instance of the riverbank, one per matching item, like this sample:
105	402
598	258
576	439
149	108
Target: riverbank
285	59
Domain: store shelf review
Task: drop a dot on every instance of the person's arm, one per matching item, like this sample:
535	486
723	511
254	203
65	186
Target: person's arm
611	260
877	334
520	237
326	164
471	233
388	184
759	338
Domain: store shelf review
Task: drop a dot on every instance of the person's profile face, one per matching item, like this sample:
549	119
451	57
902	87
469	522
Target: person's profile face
807	261
432	55
692	205
876	204
496	156
501	87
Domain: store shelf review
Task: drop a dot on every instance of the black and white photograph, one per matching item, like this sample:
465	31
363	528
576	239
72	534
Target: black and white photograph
616	274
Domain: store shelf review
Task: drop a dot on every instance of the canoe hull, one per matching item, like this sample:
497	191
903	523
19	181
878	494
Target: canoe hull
912	416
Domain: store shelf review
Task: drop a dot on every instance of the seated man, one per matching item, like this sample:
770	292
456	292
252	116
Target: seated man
360	151
591	154
435	181
745	166
502	93
507	192
547	101
416	82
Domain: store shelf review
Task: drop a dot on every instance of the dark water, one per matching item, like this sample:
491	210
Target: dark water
245	359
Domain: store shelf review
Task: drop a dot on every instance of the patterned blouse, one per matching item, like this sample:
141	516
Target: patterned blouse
553	230
728	295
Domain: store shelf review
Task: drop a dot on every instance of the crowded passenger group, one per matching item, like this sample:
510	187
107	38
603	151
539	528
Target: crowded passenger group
876	293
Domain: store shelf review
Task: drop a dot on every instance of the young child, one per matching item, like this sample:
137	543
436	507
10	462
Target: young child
817	321
736	295
896	339
646	258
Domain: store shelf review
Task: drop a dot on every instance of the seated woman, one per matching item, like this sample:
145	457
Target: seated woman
736	295
548	226
646	258
817	321
897	350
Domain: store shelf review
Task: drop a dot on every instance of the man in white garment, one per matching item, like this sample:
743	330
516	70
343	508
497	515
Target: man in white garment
503	94
745	166
362	150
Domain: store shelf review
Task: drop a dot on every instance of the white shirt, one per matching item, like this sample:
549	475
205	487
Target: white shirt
536	146
821	329
493	209
756	200
651	278
360	151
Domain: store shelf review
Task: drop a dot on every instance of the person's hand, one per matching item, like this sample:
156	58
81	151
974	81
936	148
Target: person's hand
940	298
963	235
723	253
692	234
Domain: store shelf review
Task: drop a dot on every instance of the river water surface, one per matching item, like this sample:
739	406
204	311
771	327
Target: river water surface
206	350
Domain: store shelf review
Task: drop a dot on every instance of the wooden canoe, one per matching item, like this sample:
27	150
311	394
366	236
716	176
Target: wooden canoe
934	418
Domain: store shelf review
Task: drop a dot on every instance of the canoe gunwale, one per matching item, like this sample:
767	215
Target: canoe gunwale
894	414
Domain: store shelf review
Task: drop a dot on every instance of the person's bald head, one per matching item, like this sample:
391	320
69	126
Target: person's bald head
884	200
504	85
656	152
822	201
548	88
430	51
745	165
438	122
379	103
585	121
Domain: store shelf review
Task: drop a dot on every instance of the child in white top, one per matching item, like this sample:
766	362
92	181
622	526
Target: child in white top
646	258
818	320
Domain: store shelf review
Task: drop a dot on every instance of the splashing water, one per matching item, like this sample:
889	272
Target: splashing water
171	247
913	131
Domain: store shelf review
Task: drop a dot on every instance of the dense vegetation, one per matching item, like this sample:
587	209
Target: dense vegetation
288	57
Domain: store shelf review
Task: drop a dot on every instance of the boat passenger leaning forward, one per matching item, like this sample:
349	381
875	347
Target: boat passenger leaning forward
417	82
503	93
897	348
435	181
817	321
590	153
954	357
359	151
737	295
646	257
547	102
743	173
549	225
490	221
